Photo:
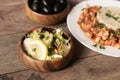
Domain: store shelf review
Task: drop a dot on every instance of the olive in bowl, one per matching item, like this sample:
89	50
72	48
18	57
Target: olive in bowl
47	12
45	49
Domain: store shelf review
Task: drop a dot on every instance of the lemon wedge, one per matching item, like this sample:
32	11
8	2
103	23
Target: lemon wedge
36	48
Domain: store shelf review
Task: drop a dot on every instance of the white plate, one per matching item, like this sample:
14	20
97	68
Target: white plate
74	28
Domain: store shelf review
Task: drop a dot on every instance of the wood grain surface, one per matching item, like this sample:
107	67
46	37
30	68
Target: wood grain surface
85	65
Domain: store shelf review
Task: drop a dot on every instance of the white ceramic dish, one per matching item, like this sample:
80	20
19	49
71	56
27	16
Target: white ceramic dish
74	28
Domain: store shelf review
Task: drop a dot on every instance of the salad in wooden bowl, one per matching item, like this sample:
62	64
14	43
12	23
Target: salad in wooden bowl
45	49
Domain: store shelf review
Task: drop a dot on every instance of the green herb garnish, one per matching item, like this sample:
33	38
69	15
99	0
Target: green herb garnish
113	33
100	46
116	18
118	33
99	25
109	15
95	45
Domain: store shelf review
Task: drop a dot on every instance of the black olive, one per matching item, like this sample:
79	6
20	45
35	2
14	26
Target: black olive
44	2
36	1
58	7
36	6
47	9
41	36
48	2
63	2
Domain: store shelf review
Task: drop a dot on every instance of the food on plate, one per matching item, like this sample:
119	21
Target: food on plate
45	44
101	25
110	16
47	6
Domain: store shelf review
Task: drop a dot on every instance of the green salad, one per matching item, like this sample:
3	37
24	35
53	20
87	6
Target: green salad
46	44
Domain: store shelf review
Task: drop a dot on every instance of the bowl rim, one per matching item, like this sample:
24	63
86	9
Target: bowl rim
27	5
20	45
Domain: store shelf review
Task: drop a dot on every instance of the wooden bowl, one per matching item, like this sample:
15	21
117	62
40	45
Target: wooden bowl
47	19
44	65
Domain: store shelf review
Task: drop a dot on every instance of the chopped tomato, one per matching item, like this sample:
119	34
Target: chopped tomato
58	48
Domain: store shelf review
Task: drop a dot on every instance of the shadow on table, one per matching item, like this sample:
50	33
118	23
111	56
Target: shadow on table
80	52
5	77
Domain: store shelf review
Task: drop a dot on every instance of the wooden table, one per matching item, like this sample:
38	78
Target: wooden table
85	65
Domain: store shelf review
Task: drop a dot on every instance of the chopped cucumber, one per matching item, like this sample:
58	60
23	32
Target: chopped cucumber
48	38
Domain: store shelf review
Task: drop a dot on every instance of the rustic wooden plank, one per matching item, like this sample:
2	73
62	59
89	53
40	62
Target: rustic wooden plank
9	61
93	68
13	19
14	23
11	2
